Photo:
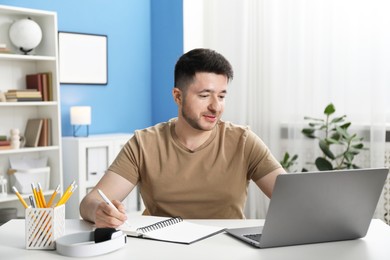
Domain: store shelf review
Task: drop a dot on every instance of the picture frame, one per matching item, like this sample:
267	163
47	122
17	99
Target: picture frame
83	58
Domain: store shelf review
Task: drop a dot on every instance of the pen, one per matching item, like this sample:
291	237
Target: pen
106	200
20	197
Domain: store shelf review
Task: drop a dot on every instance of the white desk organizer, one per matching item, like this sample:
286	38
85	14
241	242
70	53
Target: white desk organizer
44	226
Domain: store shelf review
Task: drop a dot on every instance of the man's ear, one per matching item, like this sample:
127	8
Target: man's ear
177	96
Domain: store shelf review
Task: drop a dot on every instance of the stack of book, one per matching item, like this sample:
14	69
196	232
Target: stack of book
38	132
41	82
4	143
16	95
4	49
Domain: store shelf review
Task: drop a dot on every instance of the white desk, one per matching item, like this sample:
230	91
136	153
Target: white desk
374	246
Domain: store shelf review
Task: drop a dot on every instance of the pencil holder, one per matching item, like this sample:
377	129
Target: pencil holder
44	226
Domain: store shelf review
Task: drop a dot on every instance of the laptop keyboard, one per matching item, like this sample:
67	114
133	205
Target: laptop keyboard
255	237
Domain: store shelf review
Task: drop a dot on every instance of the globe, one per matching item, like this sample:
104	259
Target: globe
25	34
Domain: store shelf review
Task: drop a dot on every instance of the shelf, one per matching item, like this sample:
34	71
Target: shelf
28	104
14	115
29	150
20	57
13	197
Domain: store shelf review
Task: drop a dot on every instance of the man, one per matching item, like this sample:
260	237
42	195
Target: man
193	166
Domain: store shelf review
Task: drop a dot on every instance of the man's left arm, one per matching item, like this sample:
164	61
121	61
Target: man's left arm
267	183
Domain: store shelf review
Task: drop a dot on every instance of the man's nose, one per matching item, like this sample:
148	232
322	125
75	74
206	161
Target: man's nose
215	104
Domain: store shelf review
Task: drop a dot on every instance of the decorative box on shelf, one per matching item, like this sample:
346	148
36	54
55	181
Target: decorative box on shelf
22	179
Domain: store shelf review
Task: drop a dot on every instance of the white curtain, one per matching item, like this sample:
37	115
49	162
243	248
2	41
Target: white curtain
293	57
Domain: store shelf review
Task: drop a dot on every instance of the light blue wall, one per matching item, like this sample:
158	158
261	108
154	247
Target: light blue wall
125	104
167	46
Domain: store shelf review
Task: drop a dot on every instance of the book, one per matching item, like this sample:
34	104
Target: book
33	81
49	132
22	90
5	147
33	132
45	94
4	49
5	142
25	99
45	136
41	82
173	229
23	95
49	76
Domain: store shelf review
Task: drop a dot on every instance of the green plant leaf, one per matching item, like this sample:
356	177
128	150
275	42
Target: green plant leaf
357	139
358	146
337	119
342	132
352	137
308	132
287	162
353	151
346	125
325	149
314	119
335	136
323	165
315	125
349	156
332	141
286	156
330	109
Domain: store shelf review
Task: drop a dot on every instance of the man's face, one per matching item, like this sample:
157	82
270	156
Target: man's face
204	100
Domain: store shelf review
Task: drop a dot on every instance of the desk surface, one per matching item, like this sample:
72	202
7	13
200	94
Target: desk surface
374	246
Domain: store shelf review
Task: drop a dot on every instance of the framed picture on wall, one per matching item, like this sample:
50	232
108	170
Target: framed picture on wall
82	58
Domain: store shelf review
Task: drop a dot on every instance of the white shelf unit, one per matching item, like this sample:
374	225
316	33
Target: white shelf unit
85	160
13	69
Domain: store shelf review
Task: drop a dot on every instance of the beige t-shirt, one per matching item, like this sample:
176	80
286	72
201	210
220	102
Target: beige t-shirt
210	182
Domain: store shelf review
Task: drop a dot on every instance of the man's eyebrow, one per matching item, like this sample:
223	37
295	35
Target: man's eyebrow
212	91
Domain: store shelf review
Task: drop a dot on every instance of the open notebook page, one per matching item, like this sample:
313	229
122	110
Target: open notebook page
180	232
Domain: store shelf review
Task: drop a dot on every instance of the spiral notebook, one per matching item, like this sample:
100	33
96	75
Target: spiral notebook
165	229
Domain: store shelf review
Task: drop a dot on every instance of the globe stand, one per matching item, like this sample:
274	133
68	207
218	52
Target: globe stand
25	52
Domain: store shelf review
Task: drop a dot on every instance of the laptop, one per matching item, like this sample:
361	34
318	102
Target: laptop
317	207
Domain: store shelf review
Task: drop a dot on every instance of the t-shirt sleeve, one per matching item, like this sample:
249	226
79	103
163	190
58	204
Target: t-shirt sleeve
260	159
126	164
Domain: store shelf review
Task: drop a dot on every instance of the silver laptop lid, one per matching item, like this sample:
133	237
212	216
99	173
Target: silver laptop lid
322	206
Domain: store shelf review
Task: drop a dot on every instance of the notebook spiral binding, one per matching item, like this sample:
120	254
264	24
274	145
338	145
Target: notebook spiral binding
160	224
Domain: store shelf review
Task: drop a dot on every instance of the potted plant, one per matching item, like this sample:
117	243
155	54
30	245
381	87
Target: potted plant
339	147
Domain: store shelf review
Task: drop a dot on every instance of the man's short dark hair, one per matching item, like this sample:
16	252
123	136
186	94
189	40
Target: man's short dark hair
200	60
